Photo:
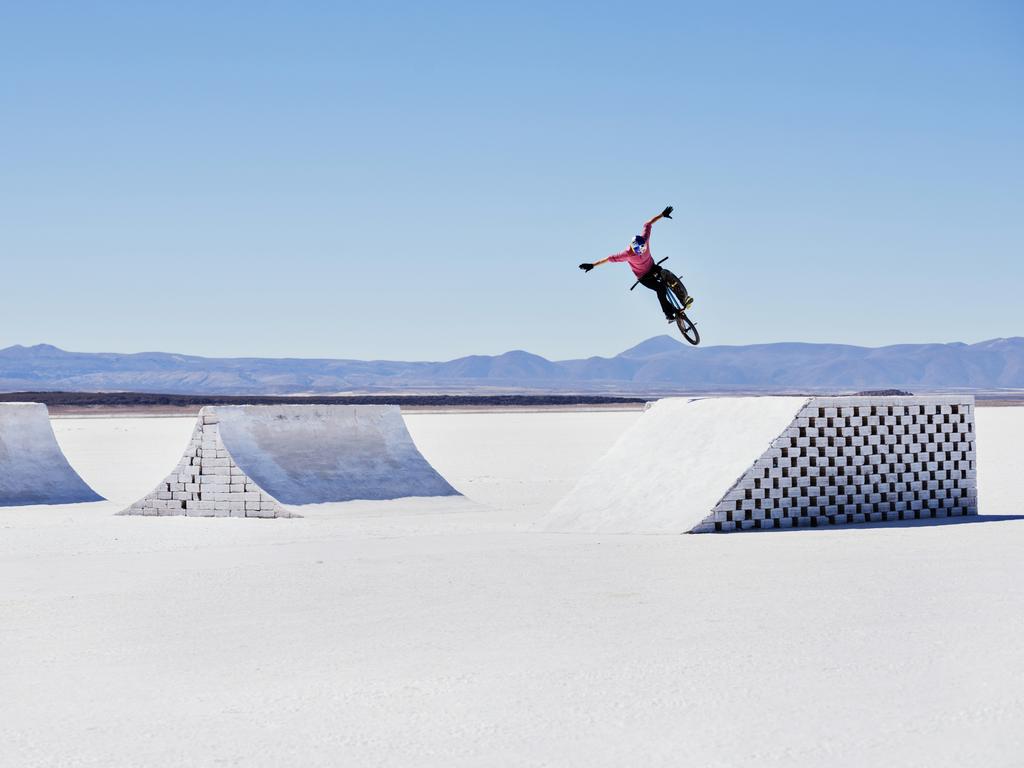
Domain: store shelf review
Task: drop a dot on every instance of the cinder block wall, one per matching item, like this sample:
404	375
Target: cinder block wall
207	482
856	460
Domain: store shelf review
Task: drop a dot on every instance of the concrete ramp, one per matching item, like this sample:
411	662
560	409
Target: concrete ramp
725	464
309	454
33	469
249	460
670	468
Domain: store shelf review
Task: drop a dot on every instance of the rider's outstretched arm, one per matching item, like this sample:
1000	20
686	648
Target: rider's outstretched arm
587	266
666	214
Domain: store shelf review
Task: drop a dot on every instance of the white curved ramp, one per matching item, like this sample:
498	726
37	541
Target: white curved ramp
309	454
726	464
667	471
33	469
248	460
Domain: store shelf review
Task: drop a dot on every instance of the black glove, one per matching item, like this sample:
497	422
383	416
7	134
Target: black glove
667	213
586	267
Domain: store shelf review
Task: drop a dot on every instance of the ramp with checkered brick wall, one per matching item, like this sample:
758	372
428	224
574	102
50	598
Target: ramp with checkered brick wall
738	463
856	460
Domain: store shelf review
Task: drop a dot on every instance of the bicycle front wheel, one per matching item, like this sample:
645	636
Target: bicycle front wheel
687	328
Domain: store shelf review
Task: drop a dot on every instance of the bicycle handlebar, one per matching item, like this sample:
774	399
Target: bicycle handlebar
634	285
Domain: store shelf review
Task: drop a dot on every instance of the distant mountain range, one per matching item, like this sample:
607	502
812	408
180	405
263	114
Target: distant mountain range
659	365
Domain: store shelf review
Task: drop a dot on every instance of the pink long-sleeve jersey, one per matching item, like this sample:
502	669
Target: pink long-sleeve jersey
642	262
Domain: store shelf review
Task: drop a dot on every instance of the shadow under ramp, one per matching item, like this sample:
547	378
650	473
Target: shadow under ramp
924	522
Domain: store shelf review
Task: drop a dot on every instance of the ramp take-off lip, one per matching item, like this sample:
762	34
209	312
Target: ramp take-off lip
33	469
726	464
249	460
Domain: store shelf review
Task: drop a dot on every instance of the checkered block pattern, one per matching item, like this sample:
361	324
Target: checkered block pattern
208	483
856	460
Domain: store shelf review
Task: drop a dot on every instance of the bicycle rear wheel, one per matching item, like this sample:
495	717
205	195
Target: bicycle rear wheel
687	328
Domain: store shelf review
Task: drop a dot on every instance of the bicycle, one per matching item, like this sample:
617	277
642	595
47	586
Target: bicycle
677	297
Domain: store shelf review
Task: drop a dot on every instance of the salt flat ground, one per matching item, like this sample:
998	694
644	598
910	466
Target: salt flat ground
445	632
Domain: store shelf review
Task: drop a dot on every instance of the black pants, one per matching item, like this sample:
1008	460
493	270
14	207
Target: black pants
653	281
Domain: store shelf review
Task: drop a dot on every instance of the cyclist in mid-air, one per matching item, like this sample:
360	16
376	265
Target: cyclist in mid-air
638	254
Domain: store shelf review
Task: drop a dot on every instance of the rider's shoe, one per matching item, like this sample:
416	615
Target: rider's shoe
688	303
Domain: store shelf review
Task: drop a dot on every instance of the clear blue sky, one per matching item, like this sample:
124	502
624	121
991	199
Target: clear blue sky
419	181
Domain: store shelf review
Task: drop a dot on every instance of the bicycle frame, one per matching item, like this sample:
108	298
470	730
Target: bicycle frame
674	300
686	326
